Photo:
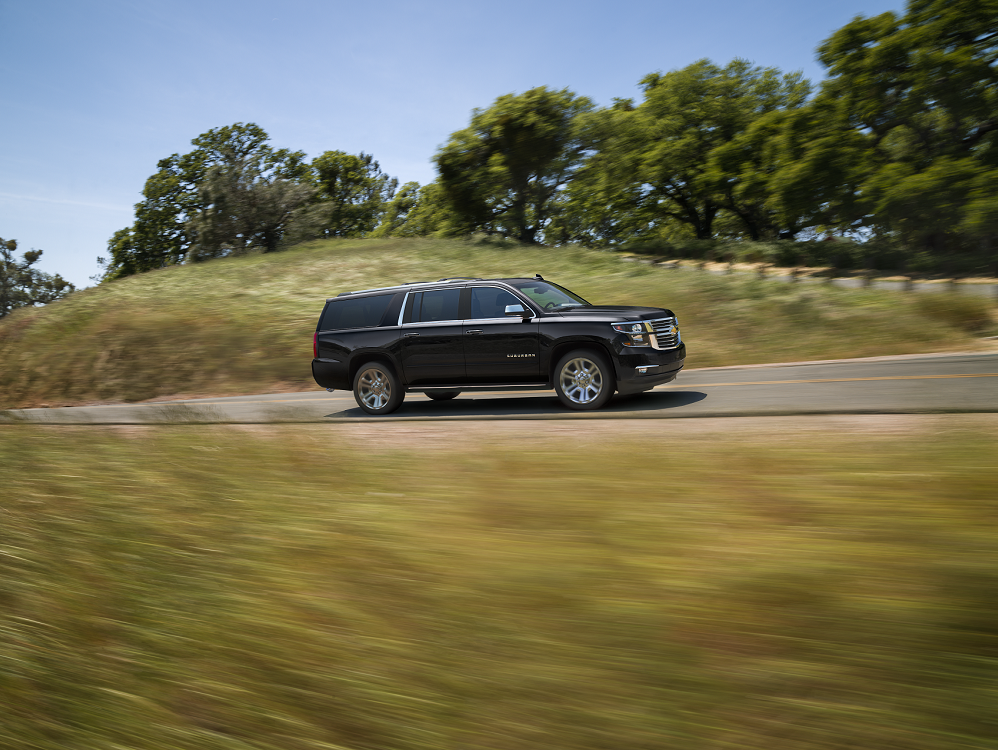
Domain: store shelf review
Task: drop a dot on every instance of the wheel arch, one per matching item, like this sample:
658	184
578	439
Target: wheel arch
564	347
362	358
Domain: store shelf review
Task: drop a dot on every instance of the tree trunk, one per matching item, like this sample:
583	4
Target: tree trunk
524	233
750	224
705	227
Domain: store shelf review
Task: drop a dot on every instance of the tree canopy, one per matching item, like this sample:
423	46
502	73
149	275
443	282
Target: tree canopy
922	89
682	156
502	174
24	286
234	193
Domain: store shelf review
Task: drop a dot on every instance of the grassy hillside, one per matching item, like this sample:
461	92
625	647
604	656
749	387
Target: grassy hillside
283	590
245	325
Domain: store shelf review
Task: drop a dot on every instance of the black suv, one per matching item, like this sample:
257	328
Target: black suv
468	334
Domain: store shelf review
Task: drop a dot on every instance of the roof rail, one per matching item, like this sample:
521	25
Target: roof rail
363	291
408	283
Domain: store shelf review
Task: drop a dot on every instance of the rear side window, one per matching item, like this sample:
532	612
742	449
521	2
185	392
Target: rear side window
443	304
362	312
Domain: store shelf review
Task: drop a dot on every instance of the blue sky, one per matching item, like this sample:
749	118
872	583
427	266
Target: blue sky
95	93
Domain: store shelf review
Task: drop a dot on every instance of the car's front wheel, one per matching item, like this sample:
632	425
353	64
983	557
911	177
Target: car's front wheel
583	380
376	389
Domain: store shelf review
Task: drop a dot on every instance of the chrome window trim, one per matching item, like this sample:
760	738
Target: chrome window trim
432	323
405	299
503	319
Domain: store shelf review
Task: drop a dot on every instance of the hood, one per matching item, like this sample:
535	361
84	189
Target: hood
619	312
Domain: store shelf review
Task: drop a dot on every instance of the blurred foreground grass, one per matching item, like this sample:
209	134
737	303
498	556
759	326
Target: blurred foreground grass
244	325
219	588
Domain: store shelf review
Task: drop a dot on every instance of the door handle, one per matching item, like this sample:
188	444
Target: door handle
473	331
407	335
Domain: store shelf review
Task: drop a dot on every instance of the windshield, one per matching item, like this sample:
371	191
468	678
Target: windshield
550	296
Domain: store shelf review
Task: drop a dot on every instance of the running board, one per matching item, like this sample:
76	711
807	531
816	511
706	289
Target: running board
476	387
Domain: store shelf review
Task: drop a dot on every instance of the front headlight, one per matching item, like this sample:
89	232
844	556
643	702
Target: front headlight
631	327
636	333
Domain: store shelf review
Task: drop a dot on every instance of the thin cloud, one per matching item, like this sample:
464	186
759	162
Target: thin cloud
84	204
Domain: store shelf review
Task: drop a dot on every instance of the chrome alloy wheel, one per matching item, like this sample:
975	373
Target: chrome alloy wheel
374	388
581	380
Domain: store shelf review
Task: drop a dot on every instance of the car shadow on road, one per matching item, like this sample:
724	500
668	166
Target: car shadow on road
655	400
482	405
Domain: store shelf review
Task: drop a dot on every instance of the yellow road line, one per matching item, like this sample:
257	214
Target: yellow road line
832	380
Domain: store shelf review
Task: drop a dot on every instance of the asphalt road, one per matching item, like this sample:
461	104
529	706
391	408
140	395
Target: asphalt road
890	385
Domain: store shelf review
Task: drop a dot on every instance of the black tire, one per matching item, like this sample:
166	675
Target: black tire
443	395
376	389
583	380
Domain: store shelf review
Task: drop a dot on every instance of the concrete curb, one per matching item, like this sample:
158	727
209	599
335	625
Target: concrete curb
519	417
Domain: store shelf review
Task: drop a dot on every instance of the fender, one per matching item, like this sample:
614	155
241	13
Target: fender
385	356
579	342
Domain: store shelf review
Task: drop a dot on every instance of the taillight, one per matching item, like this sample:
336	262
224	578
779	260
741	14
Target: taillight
315	345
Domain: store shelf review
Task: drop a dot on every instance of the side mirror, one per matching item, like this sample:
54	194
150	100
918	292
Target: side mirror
517	311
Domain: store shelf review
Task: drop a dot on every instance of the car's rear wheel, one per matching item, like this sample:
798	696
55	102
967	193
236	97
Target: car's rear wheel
583	380
376	389
443	395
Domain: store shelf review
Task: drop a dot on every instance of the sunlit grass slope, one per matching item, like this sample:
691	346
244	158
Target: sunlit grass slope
245	325
220	589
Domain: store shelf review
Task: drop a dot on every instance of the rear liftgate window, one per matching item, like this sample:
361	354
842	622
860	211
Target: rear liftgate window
363	312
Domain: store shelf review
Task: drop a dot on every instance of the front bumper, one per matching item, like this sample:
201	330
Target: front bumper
641	369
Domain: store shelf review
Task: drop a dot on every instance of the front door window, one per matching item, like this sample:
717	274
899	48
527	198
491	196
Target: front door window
490	302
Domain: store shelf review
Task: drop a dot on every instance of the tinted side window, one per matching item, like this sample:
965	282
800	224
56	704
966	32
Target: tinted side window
362	312
443	304
490	302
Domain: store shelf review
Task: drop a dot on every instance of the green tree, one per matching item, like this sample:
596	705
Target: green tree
397	211
680	156
353	193
603	206
165	229
922	90
420	211
245	207
23	286
805	166
503	174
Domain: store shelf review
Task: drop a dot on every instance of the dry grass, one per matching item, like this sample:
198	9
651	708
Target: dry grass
227	588
244	325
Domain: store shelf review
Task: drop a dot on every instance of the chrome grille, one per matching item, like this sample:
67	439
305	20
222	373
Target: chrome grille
665	333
